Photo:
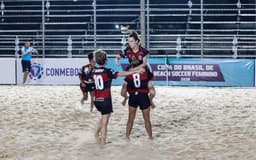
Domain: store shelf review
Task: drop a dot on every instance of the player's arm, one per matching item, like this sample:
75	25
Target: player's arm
87	82
23	53
89	76
124	73
81	81
34	51
80	78
127	73
119	56
117	60
80	75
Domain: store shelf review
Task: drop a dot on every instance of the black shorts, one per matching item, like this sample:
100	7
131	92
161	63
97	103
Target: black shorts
26	66
88	87
104	106
139	99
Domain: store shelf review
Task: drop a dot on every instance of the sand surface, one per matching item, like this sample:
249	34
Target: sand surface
189	123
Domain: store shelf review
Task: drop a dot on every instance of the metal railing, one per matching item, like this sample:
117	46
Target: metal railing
72	28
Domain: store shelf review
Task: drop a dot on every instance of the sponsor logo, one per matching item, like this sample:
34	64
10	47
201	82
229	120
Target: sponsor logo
36	71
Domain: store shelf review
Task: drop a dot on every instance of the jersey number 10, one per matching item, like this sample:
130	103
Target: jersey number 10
98	80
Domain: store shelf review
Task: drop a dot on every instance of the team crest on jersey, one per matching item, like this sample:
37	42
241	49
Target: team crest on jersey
36	71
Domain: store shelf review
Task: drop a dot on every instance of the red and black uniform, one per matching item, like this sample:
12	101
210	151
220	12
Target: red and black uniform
128	53
137	87
102	95
86	77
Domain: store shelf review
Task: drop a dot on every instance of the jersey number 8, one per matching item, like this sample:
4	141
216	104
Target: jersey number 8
136	80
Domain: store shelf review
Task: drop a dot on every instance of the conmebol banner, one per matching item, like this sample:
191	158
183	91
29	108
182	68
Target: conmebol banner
53	71
167	71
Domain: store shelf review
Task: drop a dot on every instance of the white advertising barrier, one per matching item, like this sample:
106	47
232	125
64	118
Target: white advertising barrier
7	71
53	71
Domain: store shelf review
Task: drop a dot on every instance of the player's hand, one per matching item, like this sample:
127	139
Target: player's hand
30	51
117	60
35	51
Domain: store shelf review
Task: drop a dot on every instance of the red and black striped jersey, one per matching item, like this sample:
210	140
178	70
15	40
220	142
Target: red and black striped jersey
103	79
85	72
138	82
140	54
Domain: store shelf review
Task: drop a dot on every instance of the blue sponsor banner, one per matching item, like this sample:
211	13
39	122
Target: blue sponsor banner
214	72
111	64
197	72
124	62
